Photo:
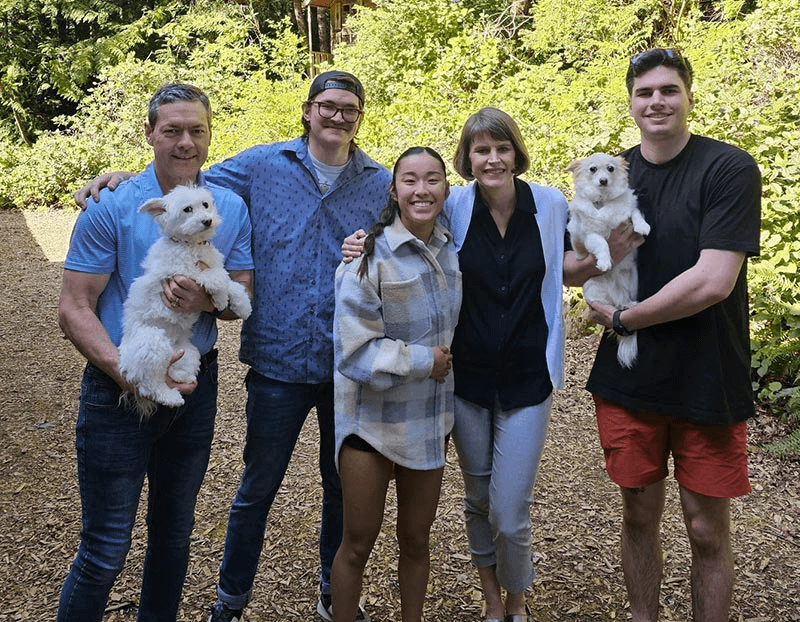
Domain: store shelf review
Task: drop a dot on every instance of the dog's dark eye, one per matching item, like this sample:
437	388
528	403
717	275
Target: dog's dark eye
610	168
592	169
205	204
188	209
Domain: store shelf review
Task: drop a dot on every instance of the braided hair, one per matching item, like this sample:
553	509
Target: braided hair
391	209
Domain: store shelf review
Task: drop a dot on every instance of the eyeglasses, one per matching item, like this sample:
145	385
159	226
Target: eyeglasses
660	54
327	111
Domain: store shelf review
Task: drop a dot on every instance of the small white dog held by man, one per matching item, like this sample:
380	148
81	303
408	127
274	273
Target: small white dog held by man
604	201
152	331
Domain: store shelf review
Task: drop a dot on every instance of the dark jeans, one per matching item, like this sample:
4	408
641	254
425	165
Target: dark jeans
115	451
276	412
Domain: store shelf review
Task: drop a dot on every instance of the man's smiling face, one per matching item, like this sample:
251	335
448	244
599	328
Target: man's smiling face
180	141
660	104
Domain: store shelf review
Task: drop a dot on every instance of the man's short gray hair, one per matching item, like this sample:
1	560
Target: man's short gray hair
176	92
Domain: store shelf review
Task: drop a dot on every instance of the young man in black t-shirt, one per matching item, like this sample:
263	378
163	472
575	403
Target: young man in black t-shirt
689	394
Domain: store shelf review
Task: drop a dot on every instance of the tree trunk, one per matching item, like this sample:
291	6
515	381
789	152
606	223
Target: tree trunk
300	19
324	30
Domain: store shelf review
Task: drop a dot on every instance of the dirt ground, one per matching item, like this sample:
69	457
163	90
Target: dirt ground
576	516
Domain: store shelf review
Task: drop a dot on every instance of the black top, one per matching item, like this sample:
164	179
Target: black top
499	348
707	197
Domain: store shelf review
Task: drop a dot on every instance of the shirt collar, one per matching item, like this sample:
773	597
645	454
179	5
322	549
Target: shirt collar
397	235
358	159
525	200
150	183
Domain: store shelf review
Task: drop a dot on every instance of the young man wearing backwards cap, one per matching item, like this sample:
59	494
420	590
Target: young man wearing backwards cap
305	196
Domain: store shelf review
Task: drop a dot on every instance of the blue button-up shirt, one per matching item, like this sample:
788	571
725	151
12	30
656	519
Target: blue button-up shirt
297	240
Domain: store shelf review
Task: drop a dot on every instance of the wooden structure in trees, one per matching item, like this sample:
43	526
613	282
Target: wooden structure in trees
334	12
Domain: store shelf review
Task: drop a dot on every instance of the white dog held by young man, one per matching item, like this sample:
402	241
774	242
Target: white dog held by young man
603	201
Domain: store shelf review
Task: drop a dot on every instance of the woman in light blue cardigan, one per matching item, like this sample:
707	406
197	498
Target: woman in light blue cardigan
508	350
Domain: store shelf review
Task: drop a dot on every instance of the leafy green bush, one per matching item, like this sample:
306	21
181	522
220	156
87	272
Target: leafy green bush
428	64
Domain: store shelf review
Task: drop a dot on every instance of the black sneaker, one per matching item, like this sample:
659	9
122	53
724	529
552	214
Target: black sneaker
324	610
221	613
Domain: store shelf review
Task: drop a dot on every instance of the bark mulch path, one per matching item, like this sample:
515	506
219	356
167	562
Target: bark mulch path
576	516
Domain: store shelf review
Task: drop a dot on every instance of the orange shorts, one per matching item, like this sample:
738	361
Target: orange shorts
709	459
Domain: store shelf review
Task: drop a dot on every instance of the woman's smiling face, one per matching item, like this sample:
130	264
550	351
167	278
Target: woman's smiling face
492	161
420	188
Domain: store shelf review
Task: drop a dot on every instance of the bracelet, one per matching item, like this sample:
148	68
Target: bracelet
618	326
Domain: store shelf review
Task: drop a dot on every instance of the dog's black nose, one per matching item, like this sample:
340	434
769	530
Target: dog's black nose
207	223
603	181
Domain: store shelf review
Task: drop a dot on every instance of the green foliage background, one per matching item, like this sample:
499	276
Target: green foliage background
426	65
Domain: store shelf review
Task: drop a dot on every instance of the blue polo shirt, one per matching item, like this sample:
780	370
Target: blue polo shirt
112	237
297	244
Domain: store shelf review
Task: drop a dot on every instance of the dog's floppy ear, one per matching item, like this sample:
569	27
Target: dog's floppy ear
154	207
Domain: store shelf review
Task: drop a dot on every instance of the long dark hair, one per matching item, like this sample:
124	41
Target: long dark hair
392	208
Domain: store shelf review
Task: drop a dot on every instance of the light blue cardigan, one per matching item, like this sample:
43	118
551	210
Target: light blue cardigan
551	216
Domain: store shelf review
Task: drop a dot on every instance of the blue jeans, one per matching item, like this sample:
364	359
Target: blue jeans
499	453
115	451
276	412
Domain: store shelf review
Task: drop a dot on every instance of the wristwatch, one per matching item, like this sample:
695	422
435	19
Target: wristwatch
618	326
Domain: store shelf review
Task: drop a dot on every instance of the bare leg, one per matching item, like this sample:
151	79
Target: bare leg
708	526
492	595
642	562
515	603
365	479
491	592
417	499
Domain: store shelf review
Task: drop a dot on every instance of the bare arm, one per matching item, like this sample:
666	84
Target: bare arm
93	188
78	319
709	281
622	241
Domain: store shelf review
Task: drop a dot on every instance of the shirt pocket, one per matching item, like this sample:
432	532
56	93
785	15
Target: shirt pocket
406	313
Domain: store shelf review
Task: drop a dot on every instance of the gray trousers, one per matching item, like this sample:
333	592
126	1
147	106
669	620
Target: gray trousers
499	454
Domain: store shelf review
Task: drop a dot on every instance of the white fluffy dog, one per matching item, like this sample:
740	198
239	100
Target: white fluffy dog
151	330
603	200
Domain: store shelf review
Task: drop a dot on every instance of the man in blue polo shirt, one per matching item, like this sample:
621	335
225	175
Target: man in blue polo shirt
116	448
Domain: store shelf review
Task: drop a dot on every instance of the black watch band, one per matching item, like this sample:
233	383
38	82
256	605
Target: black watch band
217	312
618	326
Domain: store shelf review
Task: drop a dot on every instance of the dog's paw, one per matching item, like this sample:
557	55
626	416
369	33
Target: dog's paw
170	397
241	307
239	301
603	263
182	375
642	228
220	299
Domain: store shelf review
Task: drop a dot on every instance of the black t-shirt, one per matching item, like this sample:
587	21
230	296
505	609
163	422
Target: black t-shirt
499	347
708	197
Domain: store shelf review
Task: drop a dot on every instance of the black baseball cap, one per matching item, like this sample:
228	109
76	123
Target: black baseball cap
336	80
